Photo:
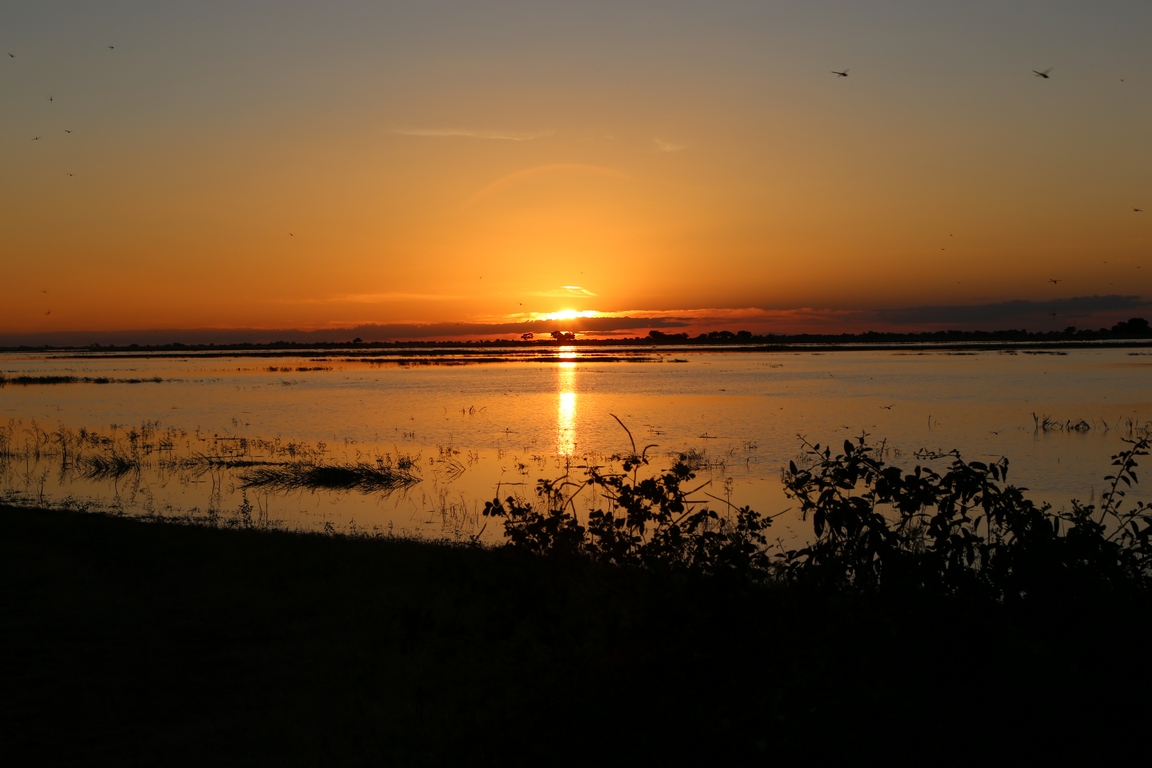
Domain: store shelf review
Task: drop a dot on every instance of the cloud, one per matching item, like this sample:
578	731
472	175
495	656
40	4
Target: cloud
372	298
563	292
467	133
366	331
557	168
1082	311
1010	313
667	146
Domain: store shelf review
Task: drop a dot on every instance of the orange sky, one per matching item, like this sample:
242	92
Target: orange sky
273	166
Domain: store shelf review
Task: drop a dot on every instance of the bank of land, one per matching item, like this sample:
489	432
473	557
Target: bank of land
128	642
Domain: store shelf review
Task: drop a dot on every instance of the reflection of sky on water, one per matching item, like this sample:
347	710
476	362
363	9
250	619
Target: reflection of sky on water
479	429
566	412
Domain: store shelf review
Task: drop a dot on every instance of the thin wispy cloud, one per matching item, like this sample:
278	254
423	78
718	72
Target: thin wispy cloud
668	146
563	292
372	298
512	179
470	133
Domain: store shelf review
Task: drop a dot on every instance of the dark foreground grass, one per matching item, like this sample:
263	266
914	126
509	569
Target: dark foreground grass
130	643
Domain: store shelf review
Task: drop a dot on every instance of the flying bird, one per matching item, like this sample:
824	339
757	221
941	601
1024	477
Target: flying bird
49	97
1043	74
840	74
1054	282
67	131
35	138
1138	210
111	47
71	174
12	55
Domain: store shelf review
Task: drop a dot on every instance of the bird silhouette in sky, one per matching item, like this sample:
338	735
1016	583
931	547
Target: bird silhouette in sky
1138	210
840	74
1054	282
291	235
111	47
67	131
12	55
71	174
49	97
1043	74
35	138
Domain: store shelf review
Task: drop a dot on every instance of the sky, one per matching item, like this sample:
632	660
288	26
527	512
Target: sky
445	168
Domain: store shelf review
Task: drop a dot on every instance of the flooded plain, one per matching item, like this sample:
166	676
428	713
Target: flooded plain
414	442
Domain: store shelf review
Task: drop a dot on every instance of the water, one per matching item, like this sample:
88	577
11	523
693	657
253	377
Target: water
474	430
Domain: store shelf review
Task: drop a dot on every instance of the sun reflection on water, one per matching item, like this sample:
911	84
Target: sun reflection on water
566	410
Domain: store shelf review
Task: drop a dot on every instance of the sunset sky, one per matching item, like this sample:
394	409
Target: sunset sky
440	168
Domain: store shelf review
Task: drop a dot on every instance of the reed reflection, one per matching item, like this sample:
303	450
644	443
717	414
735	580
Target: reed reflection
566	409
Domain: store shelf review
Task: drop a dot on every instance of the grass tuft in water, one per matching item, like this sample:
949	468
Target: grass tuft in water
366	478
110	466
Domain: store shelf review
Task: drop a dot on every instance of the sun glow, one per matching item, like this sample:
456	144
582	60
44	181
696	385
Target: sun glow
567	314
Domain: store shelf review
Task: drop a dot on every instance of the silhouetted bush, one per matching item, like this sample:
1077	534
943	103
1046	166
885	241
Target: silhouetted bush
649	522
876	528
963	532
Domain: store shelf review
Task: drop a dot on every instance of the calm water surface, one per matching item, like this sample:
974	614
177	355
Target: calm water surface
475	430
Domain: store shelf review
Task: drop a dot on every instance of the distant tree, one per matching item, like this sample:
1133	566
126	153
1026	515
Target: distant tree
1137	326
526	337
562	336
357	340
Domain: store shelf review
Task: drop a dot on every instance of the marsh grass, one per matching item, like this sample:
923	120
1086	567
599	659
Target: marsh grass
25	381
1125	425
110	466
174	454
351	476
